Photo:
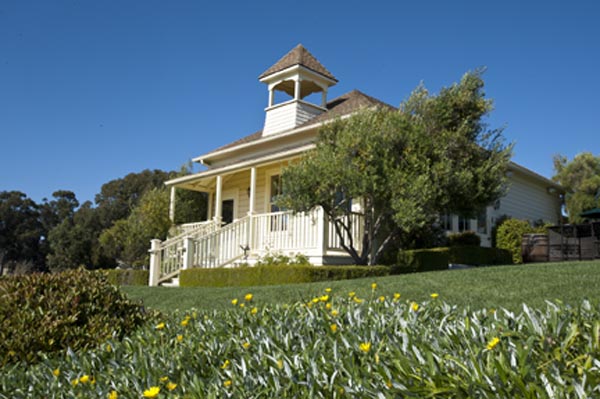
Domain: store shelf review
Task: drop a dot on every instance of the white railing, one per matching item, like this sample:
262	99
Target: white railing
355	224
196	229
208	246
222	246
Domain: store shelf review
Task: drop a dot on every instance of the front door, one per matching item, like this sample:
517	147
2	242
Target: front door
227	211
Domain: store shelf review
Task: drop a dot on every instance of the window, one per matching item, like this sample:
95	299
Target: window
463	224
227	211
446	222
482	223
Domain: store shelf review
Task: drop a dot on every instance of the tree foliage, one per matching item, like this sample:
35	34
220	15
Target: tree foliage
434	154
581	179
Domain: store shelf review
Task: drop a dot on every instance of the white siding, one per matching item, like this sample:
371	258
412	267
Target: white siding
288	115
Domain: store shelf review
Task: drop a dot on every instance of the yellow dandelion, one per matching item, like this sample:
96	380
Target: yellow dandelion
234	301
493	342
388	384
242	305
113	395
164	379
324	298
185	322
414	306
333	328
280	364
365	347
396	296
434	295
351	294
328	290
226	364
328	305
334	313
179	338
246	345
56	372
227	383
171	386
75	382
315	300
254	310
382	299
357	300
160	326
151	392
374	286
84	379
248	297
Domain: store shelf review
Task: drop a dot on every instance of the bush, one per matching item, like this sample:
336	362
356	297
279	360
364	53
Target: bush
275	274
466	238
127	276
510	236
478	256
45	313
421	260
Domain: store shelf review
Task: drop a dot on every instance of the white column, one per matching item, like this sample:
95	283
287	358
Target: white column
252	198
218	200
188	256
172	205
324	98
271	97
297	89
154	262
209	212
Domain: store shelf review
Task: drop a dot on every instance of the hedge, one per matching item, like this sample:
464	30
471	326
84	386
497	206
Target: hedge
127	276
275	274
423	260
46	313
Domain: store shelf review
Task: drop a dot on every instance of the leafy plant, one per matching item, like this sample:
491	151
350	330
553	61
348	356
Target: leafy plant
465	238
510	236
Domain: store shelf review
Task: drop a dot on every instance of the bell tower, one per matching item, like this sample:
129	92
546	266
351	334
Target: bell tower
298	74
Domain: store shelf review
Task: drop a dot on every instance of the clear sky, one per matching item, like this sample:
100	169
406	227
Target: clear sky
93	90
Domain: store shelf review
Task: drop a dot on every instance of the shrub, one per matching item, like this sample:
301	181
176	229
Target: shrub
421	260
466	238
510	236
478	256
127	276
274	275
44	313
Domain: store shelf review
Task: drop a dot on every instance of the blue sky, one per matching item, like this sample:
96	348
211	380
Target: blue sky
93	90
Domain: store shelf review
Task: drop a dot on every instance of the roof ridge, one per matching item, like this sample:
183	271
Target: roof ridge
299	55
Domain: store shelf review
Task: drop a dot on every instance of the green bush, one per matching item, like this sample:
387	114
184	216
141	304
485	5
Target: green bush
421	260
510	236
275	274
127	276
464	239
44	313
478	256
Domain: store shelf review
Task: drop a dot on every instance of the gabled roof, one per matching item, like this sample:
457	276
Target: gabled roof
343	105
298	56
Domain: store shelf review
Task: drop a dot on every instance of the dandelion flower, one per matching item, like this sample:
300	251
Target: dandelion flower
248	297
171	386
246	345
160	326
280	364
75	382
327	290
56	372
434	295
151	392
365	347
351	294
234	301
164	379
324	298
242	305
179	338
493	342
333	328
109	348
226	364
185	322
374	286
357	300
227	383
315	300
328	305
414	306
84	379
334	313
396	296
382	299
254	310
113	395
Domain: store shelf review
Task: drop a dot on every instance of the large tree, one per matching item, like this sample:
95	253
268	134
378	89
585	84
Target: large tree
581	179
434	154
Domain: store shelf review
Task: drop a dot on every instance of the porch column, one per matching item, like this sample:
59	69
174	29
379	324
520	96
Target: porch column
218	204
252	190
324	98
172	205
297	89
209	212
154	263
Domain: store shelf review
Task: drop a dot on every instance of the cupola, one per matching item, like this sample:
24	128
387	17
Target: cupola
298	74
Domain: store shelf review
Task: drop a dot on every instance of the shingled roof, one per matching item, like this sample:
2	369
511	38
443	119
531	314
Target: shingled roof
340	106
298	56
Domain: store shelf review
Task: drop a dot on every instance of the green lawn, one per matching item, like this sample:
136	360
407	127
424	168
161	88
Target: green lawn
489	287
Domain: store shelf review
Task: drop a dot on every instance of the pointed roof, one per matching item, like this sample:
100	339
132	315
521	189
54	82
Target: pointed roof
298	56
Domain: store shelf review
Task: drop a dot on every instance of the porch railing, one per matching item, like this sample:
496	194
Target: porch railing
208	246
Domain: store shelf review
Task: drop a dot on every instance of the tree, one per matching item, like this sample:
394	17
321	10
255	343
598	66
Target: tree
581	179
20	229
432	155
128	239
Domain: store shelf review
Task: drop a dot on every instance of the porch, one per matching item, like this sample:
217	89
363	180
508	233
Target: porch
211	244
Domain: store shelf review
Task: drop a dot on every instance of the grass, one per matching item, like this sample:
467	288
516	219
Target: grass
489	287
